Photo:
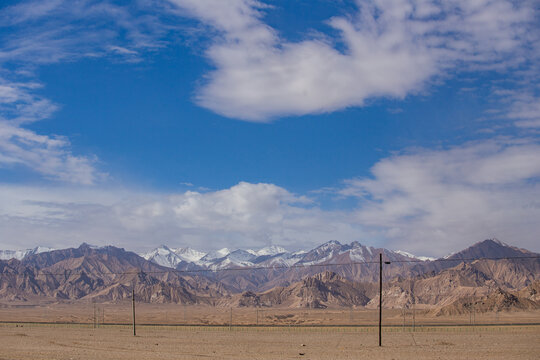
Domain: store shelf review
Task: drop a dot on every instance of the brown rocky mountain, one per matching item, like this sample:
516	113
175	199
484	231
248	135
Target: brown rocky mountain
323	290
490	248
106	274
333	275
495	301
353	261
452	291
359	263
474	280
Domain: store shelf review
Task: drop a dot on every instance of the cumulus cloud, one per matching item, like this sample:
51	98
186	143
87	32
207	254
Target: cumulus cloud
386	49
429	202
434	201
241	216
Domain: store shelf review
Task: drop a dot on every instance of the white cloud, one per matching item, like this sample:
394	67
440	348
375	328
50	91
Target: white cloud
49	156
391	49
432	202
46	155
525	109
242	216
51	31
428	202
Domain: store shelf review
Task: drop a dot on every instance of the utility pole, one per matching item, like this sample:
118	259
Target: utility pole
133	308
230	321
380	299
413	299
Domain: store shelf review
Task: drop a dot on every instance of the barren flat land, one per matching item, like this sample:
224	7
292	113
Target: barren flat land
71	331
117	342
177	314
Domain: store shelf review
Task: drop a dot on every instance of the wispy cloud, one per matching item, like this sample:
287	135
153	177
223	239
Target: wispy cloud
391	49
525	109
48	31
49	156
46	155
52	31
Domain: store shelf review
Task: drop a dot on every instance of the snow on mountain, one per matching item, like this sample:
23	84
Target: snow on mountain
322	253
282	259
234	259
490	248
216	254
270	250
357	254
163	256
331	251
21	254
189	254
12	254
241	257
407	254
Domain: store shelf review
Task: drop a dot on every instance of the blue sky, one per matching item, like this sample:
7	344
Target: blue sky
409	124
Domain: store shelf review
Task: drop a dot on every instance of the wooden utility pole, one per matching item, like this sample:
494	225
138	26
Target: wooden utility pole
413	299
230	321
133	309
380	299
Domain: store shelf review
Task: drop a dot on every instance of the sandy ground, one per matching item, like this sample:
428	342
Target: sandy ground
64	342
80	312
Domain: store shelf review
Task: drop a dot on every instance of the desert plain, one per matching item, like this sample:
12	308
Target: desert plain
168	331
116	342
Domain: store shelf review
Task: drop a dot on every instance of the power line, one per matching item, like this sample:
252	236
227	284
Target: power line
277	267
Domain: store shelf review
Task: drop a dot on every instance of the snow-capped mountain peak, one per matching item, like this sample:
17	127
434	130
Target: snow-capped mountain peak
407	254
271	250
216	254
21	254
163	256
190	255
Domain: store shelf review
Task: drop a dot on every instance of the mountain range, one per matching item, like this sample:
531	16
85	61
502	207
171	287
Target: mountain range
330	275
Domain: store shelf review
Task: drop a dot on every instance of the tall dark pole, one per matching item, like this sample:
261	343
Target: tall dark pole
133	307
380	299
